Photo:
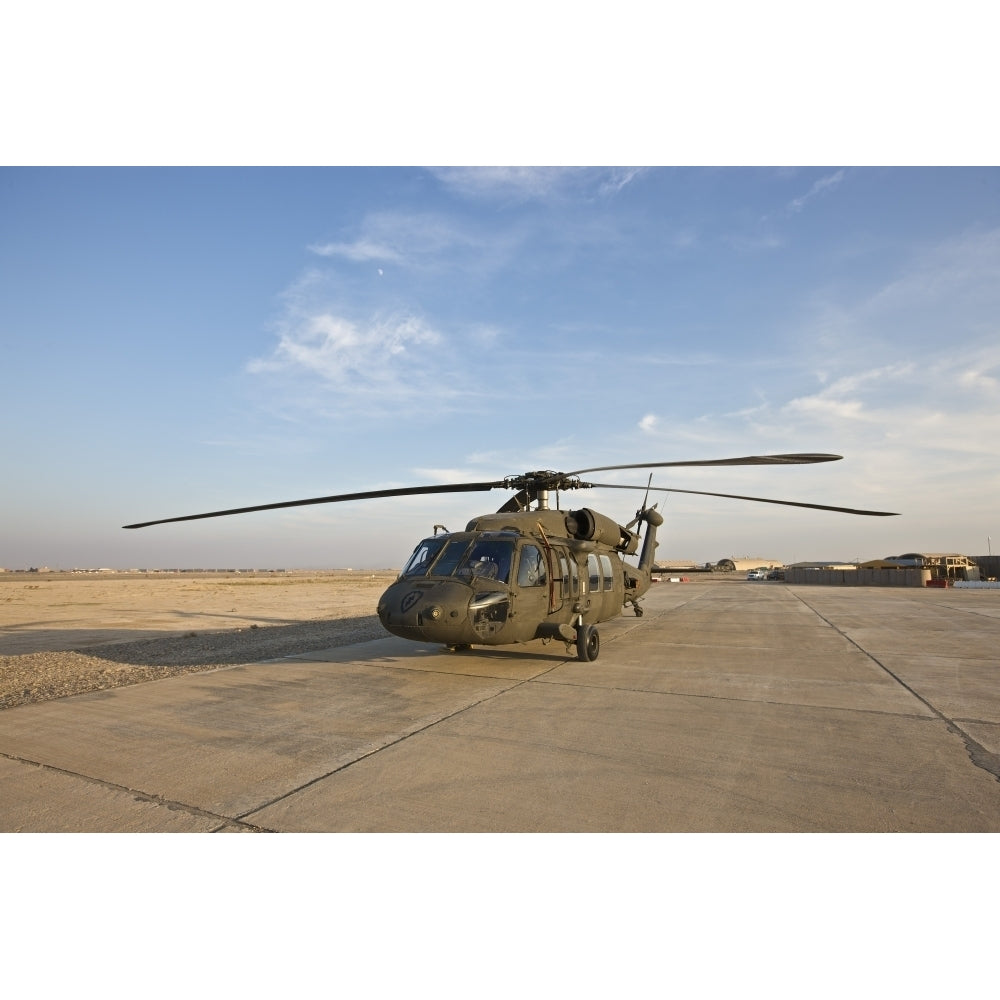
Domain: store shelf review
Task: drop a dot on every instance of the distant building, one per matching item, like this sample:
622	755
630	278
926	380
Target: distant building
943	565
989	566
912	569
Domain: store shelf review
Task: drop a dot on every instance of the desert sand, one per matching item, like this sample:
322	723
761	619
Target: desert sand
64	633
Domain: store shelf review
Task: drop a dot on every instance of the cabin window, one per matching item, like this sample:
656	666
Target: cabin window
564	574
568	575
606	567
531	568
594	570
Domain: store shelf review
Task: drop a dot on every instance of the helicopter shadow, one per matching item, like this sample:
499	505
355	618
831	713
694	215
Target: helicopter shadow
533	651
392	650
392	653
178	648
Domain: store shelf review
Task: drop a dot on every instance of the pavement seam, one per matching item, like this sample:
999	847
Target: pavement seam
239	820
976	612
977	753
430	725
158	800
750	701
395	742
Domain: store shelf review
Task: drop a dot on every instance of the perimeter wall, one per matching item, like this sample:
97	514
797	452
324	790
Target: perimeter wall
859	577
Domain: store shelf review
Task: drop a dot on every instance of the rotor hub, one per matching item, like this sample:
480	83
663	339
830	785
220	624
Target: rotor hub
545	479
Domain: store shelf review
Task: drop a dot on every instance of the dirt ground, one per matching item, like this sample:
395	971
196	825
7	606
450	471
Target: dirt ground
64	633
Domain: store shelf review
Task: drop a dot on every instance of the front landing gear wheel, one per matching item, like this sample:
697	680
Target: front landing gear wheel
459	647
588	643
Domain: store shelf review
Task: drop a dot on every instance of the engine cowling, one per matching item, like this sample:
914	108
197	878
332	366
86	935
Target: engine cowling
589	526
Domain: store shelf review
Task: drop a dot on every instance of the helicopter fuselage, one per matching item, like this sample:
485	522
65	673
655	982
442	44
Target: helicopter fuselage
518	576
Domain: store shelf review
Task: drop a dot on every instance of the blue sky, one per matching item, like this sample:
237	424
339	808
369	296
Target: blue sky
178	340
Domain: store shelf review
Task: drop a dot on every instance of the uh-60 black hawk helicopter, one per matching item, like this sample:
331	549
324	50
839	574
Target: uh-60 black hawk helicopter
521	573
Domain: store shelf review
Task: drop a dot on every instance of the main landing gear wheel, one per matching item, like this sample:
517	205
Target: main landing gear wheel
588	643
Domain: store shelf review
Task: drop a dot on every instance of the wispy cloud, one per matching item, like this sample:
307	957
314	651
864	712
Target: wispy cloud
843	396
534	183
428	244
979	381
361	249
904	381
823	186
957	281
411	238
504	182
920	435
767	233
384	358
618	178
948	293
485	334
334	357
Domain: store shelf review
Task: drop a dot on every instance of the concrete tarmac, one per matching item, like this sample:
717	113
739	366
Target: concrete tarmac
735	706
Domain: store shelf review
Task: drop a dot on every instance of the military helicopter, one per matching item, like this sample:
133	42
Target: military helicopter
523	574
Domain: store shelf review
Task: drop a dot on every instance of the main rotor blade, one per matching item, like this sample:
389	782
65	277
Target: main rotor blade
736	496
405	491
805	458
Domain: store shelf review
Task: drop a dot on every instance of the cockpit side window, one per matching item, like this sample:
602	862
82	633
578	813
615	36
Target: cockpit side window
531	568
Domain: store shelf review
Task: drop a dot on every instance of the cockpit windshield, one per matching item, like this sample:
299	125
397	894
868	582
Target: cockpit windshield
489	558
423	555
485	558
452	555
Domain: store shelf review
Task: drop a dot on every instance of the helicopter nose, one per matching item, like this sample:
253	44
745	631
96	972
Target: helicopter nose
410	606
